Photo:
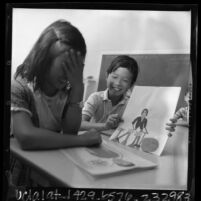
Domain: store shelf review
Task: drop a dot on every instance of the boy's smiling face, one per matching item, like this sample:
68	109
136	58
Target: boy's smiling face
119	81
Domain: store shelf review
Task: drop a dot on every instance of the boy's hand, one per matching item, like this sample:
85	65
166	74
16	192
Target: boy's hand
113	121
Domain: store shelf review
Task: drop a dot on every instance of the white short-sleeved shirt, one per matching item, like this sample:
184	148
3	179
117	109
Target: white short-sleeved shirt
98	107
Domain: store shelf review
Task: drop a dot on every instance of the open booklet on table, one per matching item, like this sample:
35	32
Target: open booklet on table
108	158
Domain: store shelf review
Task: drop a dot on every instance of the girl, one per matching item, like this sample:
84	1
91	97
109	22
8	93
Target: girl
103	109
47	90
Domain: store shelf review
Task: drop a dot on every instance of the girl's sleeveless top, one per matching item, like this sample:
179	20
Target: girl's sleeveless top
45	112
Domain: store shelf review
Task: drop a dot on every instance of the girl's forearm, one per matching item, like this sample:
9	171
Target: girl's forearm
39	138
72	119
73	114
76	94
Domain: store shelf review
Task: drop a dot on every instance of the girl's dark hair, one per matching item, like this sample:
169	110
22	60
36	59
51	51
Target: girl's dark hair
145	110
38	61
127	62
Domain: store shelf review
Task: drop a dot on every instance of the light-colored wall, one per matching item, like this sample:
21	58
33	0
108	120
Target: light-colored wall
105	31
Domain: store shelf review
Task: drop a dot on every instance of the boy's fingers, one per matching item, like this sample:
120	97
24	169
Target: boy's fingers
112	121
114	118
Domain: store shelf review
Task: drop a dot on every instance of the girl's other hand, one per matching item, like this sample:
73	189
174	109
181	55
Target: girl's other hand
112	121
91	138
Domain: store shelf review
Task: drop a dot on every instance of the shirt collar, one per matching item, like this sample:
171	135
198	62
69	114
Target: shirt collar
105	95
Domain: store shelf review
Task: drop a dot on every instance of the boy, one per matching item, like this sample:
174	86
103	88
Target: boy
103	109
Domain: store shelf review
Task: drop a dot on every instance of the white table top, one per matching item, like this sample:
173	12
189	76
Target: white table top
170	174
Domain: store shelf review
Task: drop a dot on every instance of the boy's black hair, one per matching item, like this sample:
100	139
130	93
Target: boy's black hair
127	62
37	63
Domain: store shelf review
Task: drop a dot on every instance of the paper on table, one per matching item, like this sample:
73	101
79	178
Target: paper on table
106	159
161	103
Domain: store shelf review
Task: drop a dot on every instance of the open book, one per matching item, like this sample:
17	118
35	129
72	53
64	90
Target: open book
108	158
145	118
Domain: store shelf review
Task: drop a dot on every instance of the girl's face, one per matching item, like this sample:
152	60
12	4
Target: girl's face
56	77
119	81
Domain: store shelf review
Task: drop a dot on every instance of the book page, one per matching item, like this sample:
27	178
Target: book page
107	159
145	118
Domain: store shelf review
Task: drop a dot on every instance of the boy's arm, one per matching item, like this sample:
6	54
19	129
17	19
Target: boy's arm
88	111
86	124
111	123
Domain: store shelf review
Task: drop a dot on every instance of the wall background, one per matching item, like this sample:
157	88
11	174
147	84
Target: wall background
106	31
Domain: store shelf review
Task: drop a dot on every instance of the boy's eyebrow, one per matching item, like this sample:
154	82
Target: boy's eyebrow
113	72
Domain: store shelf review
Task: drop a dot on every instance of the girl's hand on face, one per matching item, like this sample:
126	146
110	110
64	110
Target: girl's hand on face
112	121
73	68
92	138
